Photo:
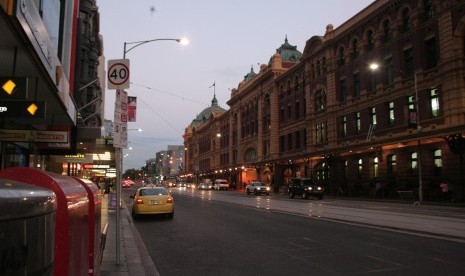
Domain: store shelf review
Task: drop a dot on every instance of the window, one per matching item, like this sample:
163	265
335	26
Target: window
411	103
318	69
405	20
289	112
428	10
340	60
370	43
317	134
320	100
281	144
324	136
354	53
388	70
413	162
359	169
386	31
373	115
356	85
343	91
431	53
391	114
297	110
325	66
375	166
391	163
372	82
358	123
408	60
434	99
297	139
289	141
437	155
281	115
344	126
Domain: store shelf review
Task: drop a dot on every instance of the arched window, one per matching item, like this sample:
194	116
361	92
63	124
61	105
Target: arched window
386	31
320	100
370	41
406	25
340	60
354	53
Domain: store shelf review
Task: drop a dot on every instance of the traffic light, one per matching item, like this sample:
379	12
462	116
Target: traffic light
13	88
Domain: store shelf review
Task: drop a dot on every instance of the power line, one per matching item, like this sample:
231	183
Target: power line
168	93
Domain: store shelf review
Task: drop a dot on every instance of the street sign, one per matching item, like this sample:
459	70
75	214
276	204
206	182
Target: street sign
118	74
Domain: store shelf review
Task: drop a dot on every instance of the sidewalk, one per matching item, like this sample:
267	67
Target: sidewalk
134	258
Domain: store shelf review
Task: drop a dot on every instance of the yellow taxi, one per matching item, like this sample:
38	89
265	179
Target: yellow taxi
152	200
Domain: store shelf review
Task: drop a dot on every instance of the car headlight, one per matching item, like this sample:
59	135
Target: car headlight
267	188
319	189
309	188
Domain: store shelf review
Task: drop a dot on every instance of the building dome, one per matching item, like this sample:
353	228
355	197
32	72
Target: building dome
289	52
214	109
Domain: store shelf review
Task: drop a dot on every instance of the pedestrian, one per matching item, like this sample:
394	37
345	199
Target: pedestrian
444	190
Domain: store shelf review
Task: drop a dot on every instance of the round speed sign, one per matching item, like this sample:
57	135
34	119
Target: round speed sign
118	74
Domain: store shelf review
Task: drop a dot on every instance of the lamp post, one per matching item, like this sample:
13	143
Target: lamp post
374	67
118	151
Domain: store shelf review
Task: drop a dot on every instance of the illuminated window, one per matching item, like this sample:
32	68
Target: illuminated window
358	122
391	113
391	163
437	155
375	166
434	98
373	115
413	161
360	163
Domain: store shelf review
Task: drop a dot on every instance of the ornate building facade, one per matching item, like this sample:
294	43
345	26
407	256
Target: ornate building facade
326	114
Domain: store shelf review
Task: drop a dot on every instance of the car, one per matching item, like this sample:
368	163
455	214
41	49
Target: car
205	186
171	184
182	185
305	187
152	200
221	184
257	188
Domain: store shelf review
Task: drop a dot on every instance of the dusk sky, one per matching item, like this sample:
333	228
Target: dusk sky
172	82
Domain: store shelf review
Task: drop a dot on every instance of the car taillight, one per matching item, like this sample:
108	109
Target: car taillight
169	200
139	201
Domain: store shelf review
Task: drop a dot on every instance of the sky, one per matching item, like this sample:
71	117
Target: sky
173	82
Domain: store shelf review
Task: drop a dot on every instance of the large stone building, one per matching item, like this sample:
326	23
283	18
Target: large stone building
327	115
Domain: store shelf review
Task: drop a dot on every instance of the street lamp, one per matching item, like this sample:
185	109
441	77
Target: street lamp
118	151
183	41
374	67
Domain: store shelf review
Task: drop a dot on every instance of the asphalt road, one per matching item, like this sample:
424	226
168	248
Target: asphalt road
210	237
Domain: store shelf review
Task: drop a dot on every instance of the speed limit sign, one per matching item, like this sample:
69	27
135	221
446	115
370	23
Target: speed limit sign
118	74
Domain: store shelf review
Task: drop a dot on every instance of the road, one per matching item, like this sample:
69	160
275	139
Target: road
226	233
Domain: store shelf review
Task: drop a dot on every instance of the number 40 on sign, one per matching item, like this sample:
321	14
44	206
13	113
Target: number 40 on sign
118	74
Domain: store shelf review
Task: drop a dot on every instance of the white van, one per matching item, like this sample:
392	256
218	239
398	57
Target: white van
221	184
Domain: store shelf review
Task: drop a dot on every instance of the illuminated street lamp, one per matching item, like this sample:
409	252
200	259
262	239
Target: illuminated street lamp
118	150
374	67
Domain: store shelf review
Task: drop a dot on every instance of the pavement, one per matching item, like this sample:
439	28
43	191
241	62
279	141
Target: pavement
134	257
442	220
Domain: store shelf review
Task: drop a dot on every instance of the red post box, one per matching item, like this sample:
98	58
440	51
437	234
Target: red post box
95	206
27	221
71	228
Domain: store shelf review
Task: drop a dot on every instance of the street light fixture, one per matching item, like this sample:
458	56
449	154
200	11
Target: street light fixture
118	151
374	67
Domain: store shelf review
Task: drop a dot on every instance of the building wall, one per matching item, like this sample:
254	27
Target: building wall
331	82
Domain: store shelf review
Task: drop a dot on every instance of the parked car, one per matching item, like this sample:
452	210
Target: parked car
205	186
152	200
221	184
305	187
257	188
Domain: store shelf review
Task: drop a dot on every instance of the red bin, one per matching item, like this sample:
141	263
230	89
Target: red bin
71	242
95	206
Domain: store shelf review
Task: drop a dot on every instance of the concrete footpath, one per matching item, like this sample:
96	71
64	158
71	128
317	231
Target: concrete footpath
134	258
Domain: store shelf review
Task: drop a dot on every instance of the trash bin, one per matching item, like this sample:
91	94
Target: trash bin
95	206
71	243
27	223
